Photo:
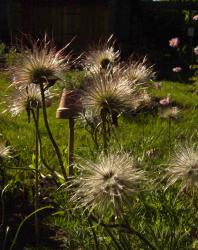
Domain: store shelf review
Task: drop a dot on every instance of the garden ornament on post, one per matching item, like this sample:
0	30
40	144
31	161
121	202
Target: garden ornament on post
69	107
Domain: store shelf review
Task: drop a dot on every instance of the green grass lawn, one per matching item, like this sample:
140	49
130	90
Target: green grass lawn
135	133
168	221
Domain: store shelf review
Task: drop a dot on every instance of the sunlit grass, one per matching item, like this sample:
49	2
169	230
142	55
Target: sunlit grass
181	93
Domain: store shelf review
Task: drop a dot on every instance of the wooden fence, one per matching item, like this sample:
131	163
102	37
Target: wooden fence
87	20
62	21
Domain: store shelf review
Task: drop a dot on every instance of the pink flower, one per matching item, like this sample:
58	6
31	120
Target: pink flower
174	42
166	101
196	50
195	18
177	69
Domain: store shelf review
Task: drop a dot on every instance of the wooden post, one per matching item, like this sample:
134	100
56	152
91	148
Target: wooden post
69	107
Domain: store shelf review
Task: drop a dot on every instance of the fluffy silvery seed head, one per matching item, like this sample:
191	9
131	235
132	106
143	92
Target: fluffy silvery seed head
138	72
4	152
108	183
170	113
89	118
108	92
141	99
40	64
183	167
101	57
26	99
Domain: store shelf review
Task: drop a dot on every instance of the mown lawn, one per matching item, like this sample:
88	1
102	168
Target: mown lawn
136	132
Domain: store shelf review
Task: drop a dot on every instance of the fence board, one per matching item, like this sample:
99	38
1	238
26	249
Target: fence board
61	21
88	20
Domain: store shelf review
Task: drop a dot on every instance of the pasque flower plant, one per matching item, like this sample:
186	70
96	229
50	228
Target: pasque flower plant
108	188
109	93
4	152
101	57
183	168
108	182
27	99
41	63
138	72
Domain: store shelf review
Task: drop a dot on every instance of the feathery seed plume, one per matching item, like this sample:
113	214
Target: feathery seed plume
107	183
4	151
40	64
109	94
183	167
102	57
26	99
138	72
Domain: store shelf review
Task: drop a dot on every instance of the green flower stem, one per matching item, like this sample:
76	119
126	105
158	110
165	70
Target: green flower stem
41	151
71	147
22	223
143	128
3	209
96	244
2	173
131	230
5	237
126	229
2	197
103	115
113	238
169	133
3	229
36	201
20	168
56	148
104	132
95	135
107	228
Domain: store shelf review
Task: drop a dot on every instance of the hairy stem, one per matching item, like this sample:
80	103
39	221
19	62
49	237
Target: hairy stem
71	147
41	151
104	132
113	238
126	228
169	133
56	148
96	244
36	200
108	230
2	212
131	230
